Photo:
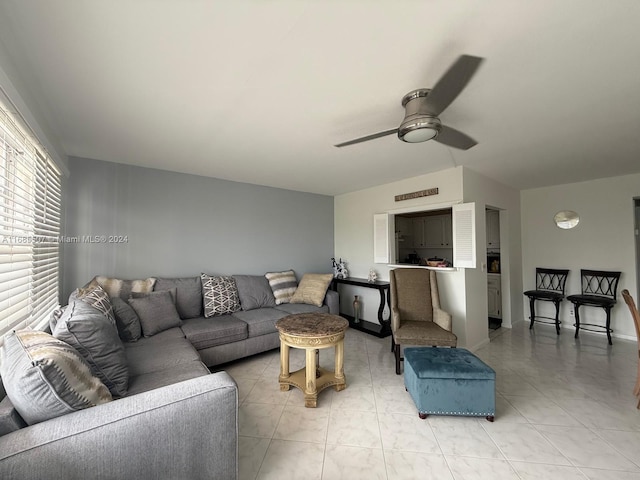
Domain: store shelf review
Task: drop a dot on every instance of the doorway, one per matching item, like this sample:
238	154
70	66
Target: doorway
494	270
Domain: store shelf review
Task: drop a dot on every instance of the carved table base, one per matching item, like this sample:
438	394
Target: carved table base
312	331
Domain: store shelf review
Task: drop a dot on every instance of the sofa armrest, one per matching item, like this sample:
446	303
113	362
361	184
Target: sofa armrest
185	430
332	300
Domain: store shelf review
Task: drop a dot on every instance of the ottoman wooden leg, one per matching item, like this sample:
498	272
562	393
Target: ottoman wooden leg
491	418
422	415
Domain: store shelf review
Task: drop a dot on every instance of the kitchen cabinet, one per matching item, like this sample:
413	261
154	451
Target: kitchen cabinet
404	232
418	232
493	229
432	232
494	299
437	232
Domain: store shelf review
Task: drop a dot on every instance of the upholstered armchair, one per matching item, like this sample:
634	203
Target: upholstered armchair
416	316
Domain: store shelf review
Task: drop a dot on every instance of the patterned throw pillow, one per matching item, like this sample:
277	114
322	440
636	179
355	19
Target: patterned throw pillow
312	289
97	297
46	378
283	285
220	295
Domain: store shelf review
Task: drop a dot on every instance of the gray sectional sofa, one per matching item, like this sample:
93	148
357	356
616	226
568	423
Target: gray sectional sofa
177	420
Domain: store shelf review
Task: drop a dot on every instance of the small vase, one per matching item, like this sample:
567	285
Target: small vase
356	310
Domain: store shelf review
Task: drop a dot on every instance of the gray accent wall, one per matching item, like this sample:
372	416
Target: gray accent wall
177	224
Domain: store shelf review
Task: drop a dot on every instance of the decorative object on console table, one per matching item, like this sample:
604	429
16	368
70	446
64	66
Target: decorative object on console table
373	276
356	310
381	329
339	268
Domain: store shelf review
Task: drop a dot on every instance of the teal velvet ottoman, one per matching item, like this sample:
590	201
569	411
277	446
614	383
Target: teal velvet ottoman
449	381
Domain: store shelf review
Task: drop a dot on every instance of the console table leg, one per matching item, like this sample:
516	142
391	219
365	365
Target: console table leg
557	303
576	309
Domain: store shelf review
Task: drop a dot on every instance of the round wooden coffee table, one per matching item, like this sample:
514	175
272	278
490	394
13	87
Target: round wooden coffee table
312	331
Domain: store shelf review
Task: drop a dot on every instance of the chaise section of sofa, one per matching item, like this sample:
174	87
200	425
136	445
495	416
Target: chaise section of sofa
183	430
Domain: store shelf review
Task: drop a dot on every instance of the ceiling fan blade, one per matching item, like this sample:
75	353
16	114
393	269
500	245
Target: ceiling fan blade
452	83
455	138
367	138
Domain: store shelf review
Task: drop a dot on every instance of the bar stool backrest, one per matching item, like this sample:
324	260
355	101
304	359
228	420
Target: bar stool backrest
600	283
551	280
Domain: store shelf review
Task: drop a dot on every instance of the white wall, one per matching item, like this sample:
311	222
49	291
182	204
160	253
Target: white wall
485	192
13	91
603	240
353	213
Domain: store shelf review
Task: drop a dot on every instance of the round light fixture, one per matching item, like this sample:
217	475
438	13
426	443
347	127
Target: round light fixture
566	219
419	129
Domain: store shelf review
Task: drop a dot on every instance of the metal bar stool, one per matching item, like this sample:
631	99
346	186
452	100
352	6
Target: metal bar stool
549	288
599	289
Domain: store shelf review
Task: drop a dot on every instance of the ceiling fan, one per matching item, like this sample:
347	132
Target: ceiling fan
422	107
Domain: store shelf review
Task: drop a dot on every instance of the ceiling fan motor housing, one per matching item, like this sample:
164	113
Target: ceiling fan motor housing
419	124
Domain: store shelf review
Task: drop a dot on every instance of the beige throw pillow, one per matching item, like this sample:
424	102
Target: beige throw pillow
312	289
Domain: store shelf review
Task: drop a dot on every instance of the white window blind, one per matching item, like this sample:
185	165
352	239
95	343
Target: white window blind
30	206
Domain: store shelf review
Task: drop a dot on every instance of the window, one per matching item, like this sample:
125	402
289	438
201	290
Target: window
30	206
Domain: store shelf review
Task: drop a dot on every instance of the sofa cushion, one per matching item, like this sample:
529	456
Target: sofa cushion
254	292
127	320
116	287
220	295
156	311
93	335
261	321
158	337
157	353
189	294
46	378
312	289
283	285
177	373
209	332
295	308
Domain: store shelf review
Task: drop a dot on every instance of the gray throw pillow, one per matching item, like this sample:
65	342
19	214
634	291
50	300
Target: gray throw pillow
46	378
254	292
157	312
189	294
93	335
127	320
220	295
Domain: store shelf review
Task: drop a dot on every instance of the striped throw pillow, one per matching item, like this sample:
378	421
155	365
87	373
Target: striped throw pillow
45	378
283	284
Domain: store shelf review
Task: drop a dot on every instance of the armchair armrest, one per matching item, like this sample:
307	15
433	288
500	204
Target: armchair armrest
185	430
395	318
442	318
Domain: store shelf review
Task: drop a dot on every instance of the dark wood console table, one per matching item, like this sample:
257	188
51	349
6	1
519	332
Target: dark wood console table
381	330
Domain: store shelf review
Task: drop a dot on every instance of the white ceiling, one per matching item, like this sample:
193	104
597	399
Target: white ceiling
260	91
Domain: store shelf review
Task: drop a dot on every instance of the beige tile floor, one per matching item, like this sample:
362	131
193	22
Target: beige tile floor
565	410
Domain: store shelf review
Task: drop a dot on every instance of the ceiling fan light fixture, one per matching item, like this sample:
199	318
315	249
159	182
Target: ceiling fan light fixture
419	130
